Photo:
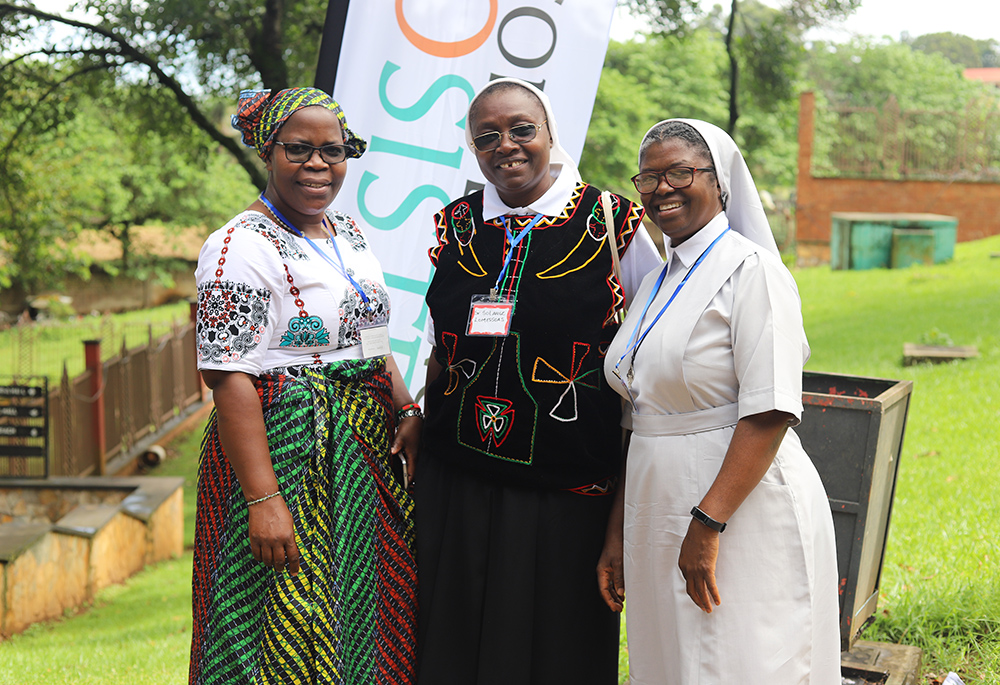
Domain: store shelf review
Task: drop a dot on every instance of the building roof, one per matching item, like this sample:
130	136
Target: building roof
986	74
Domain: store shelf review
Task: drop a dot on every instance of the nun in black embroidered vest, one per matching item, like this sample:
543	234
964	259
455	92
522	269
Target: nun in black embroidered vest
522	443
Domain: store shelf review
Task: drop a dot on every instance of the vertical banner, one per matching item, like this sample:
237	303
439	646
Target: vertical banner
407	70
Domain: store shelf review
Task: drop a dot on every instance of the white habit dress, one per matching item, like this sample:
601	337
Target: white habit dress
730	345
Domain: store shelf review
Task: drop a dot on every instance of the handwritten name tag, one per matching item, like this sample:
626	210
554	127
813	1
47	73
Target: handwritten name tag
490	318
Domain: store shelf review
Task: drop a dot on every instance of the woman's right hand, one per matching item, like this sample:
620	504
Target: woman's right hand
699	553
611	565
611	572
272	535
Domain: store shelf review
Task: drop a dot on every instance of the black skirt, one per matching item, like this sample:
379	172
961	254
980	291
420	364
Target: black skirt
508	583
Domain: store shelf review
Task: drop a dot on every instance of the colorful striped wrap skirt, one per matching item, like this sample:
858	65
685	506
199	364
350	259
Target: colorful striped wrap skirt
349	615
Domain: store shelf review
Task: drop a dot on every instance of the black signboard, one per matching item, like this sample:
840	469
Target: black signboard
24	427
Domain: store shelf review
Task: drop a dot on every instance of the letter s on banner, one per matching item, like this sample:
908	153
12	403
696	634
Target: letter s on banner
439	48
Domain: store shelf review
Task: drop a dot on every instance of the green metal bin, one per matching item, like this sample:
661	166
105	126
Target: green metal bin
864	240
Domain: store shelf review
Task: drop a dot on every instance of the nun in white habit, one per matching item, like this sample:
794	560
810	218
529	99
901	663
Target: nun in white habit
724	529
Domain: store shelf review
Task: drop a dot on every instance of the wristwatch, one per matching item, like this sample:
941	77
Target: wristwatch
702	517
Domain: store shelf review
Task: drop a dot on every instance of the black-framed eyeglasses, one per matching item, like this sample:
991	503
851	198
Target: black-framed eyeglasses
677	177
522	133
300	153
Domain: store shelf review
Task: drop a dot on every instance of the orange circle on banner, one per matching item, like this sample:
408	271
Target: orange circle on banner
439	48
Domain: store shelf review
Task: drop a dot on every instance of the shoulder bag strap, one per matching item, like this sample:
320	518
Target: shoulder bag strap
609	222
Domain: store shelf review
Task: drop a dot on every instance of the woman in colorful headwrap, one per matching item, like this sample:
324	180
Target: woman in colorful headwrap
729	556
522	443
303	563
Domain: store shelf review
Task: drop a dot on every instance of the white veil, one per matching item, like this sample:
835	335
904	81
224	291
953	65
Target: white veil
742	201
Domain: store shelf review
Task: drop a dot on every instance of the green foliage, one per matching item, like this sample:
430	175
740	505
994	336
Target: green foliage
147	164
642	83
668	76
958	49
913	114
97	152
763	45
229	45
866	68
935	337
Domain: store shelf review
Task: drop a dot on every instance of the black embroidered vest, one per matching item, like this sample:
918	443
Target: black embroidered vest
532	408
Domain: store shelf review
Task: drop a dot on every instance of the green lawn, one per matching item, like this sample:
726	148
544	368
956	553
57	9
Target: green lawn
42	348
941	586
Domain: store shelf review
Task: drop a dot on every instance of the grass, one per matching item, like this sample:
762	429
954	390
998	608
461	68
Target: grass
137	633
41	349
940	584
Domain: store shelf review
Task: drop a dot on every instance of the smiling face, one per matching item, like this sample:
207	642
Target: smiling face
302	192
520	171
680	213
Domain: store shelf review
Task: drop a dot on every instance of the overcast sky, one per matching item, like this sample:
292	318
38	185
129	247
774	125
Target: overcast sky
979	19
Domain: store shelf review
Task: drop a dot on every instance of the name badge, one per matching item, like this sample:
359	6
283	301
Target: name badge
375	341
489	316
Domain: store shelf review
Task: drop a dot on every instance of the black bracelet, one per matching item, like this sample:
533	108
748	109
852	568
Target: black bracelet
702	517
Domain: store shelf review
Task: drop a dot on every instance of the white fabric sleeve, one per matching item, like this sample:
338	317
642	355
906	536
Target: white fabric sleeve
769	342
238	313
640	258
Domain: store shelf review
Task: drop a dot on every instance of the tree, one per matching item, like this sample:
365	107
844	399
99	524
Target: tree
863	71
139	175
762	42
227	46
948	124
642	83
958	49
103	165
35	243
167	62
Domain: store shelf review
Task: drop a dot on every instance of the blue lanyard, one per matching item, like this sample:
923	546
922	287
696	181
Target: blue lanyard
339	268
635	340
514	241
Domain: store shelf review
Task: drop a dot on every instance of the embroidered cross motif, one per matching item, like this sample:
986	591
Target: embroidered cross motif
565	409
465	366
494	417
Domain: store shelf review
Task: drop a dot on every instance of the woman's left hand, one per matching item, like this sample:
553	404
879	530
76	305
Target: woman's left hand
407	442
699	552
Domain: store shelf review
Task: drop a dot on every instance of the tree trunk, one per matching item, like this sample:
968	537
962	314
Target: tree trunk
734	72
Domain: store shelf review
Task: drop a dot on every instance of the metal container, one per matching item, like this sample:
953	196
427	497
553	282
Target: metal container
865	240
852	428
912	246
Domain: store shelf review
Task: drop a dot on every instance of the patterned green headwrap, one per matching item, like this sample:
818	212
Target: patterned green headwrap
259	116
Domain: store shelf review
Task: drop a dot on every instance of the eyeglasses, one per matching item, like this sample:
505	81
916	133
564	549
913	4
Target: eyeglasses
300	153
522	133
677	177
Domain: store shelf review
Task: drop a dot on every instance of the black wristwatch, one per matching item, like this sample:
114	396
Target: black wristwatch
702	517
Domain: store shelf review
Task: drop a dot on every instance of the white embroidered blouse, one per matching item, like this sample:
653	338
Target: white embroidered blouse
267	299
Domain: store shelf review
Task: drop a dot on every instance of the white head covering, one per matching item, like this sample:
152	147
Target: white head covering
557	155
740	196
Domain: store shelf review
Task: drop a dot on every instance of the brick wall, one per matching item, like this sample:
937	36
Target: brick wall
977	205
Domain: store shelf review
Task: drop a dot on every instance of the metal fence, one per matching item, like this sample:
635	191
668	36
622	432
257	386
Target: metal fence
102	413
887	142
